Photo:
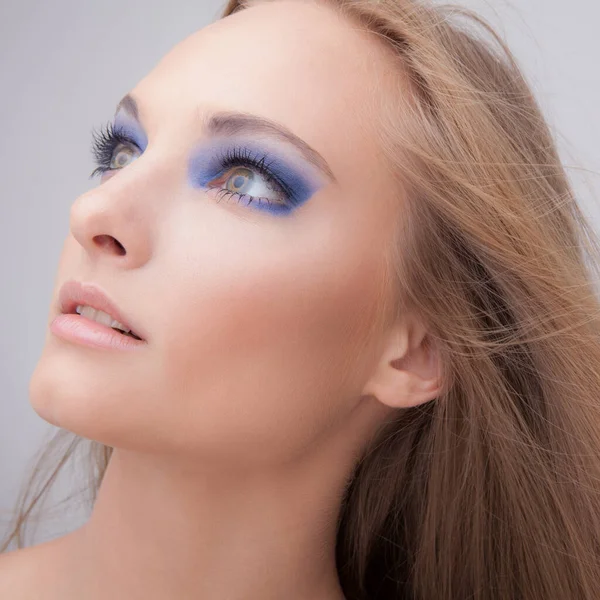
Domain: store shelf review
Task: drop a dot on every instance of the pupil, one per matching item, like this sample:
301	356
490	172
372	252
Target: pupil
238	181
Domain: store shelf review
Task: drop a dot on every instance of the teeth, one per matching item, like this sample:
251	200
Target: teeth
100	317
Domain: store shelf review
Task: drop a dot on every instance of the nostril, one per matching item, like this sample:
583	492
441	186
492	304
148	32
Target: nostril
107	241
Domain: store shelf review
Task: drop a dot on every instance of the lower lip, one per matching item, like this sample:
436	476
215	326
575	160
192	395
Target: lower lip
78	329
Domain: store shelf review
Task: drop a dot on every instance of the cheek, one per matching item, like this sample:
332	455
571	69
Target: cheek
261	350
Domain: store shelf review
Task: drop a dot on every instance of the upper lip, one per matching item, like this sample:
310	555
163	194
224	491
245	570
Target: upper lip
74	293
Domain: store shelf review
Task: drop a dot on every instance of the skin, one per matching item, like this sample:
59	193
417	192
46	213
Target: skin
236	426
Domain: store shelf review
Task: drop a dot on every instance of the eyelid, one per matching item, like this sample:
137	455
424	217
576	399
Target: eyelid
259	162
285	154
127	142
281	155
130	129
224	123
204	164
130	143
215	160
105	141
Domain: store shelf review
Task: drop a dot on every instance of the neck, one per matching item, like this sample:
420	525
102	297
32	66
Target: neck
160	530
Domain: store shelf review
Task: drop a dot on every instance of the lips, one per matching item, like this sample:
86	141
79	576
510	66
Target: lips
73	293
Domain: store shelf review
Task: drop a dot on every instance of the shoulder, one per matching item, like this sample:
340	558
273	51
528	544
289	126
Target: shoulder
27	573
16	570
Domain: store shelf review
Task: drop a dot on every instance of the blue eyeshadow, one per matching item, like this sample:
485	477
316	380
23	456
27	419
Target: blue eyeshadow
206	164
130	127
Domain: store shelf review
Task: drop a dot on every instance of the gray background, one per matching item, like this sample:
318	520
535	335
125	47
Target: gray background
63	67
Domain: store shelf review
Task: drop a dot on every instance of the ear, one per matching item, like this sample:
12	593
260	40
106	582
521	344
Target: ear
408	372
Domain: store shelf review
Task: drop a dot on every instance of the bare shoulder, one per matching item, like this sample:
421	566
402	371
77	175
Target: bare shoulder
27	573
16	573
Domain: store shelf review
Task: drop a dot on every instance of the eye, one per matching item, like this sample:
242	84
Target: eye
243	181
120	156
113	149
249	177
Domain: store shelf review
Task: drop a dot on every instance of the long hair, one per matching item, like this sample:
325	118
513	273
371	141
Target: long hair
491	490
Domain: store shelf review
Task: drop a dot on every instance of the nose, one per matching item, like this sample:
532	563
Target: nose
110	222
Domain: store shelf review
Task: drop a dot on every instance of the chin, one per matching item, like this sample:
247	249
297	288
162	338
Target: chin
67	397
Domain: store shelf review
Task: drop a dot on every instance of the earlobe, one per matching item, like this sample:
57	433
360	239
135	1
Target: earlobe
407	373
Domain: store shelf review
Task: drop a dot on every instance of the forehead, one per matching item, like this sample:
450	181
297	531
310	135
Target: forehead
292	61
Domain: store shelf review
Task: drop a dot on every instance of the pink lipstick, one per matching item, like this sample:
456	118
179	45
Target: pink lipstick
78	328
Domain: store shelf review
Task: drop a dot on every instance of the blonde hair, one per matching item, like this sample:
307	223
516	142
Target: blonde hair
492	490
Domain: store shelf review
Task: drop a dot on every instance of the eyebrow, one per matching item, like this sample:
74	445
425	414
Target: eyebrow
230	123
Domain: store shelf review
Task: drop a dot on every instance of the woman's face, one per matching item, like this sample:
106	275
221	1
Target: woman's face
257	316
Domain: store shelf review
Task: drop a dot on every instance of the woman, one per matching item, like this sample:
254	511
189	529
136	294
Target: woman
361	344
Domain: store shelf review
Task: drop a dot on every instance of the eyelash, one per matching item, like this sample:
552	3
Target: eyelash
109	137
243	157
104	143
